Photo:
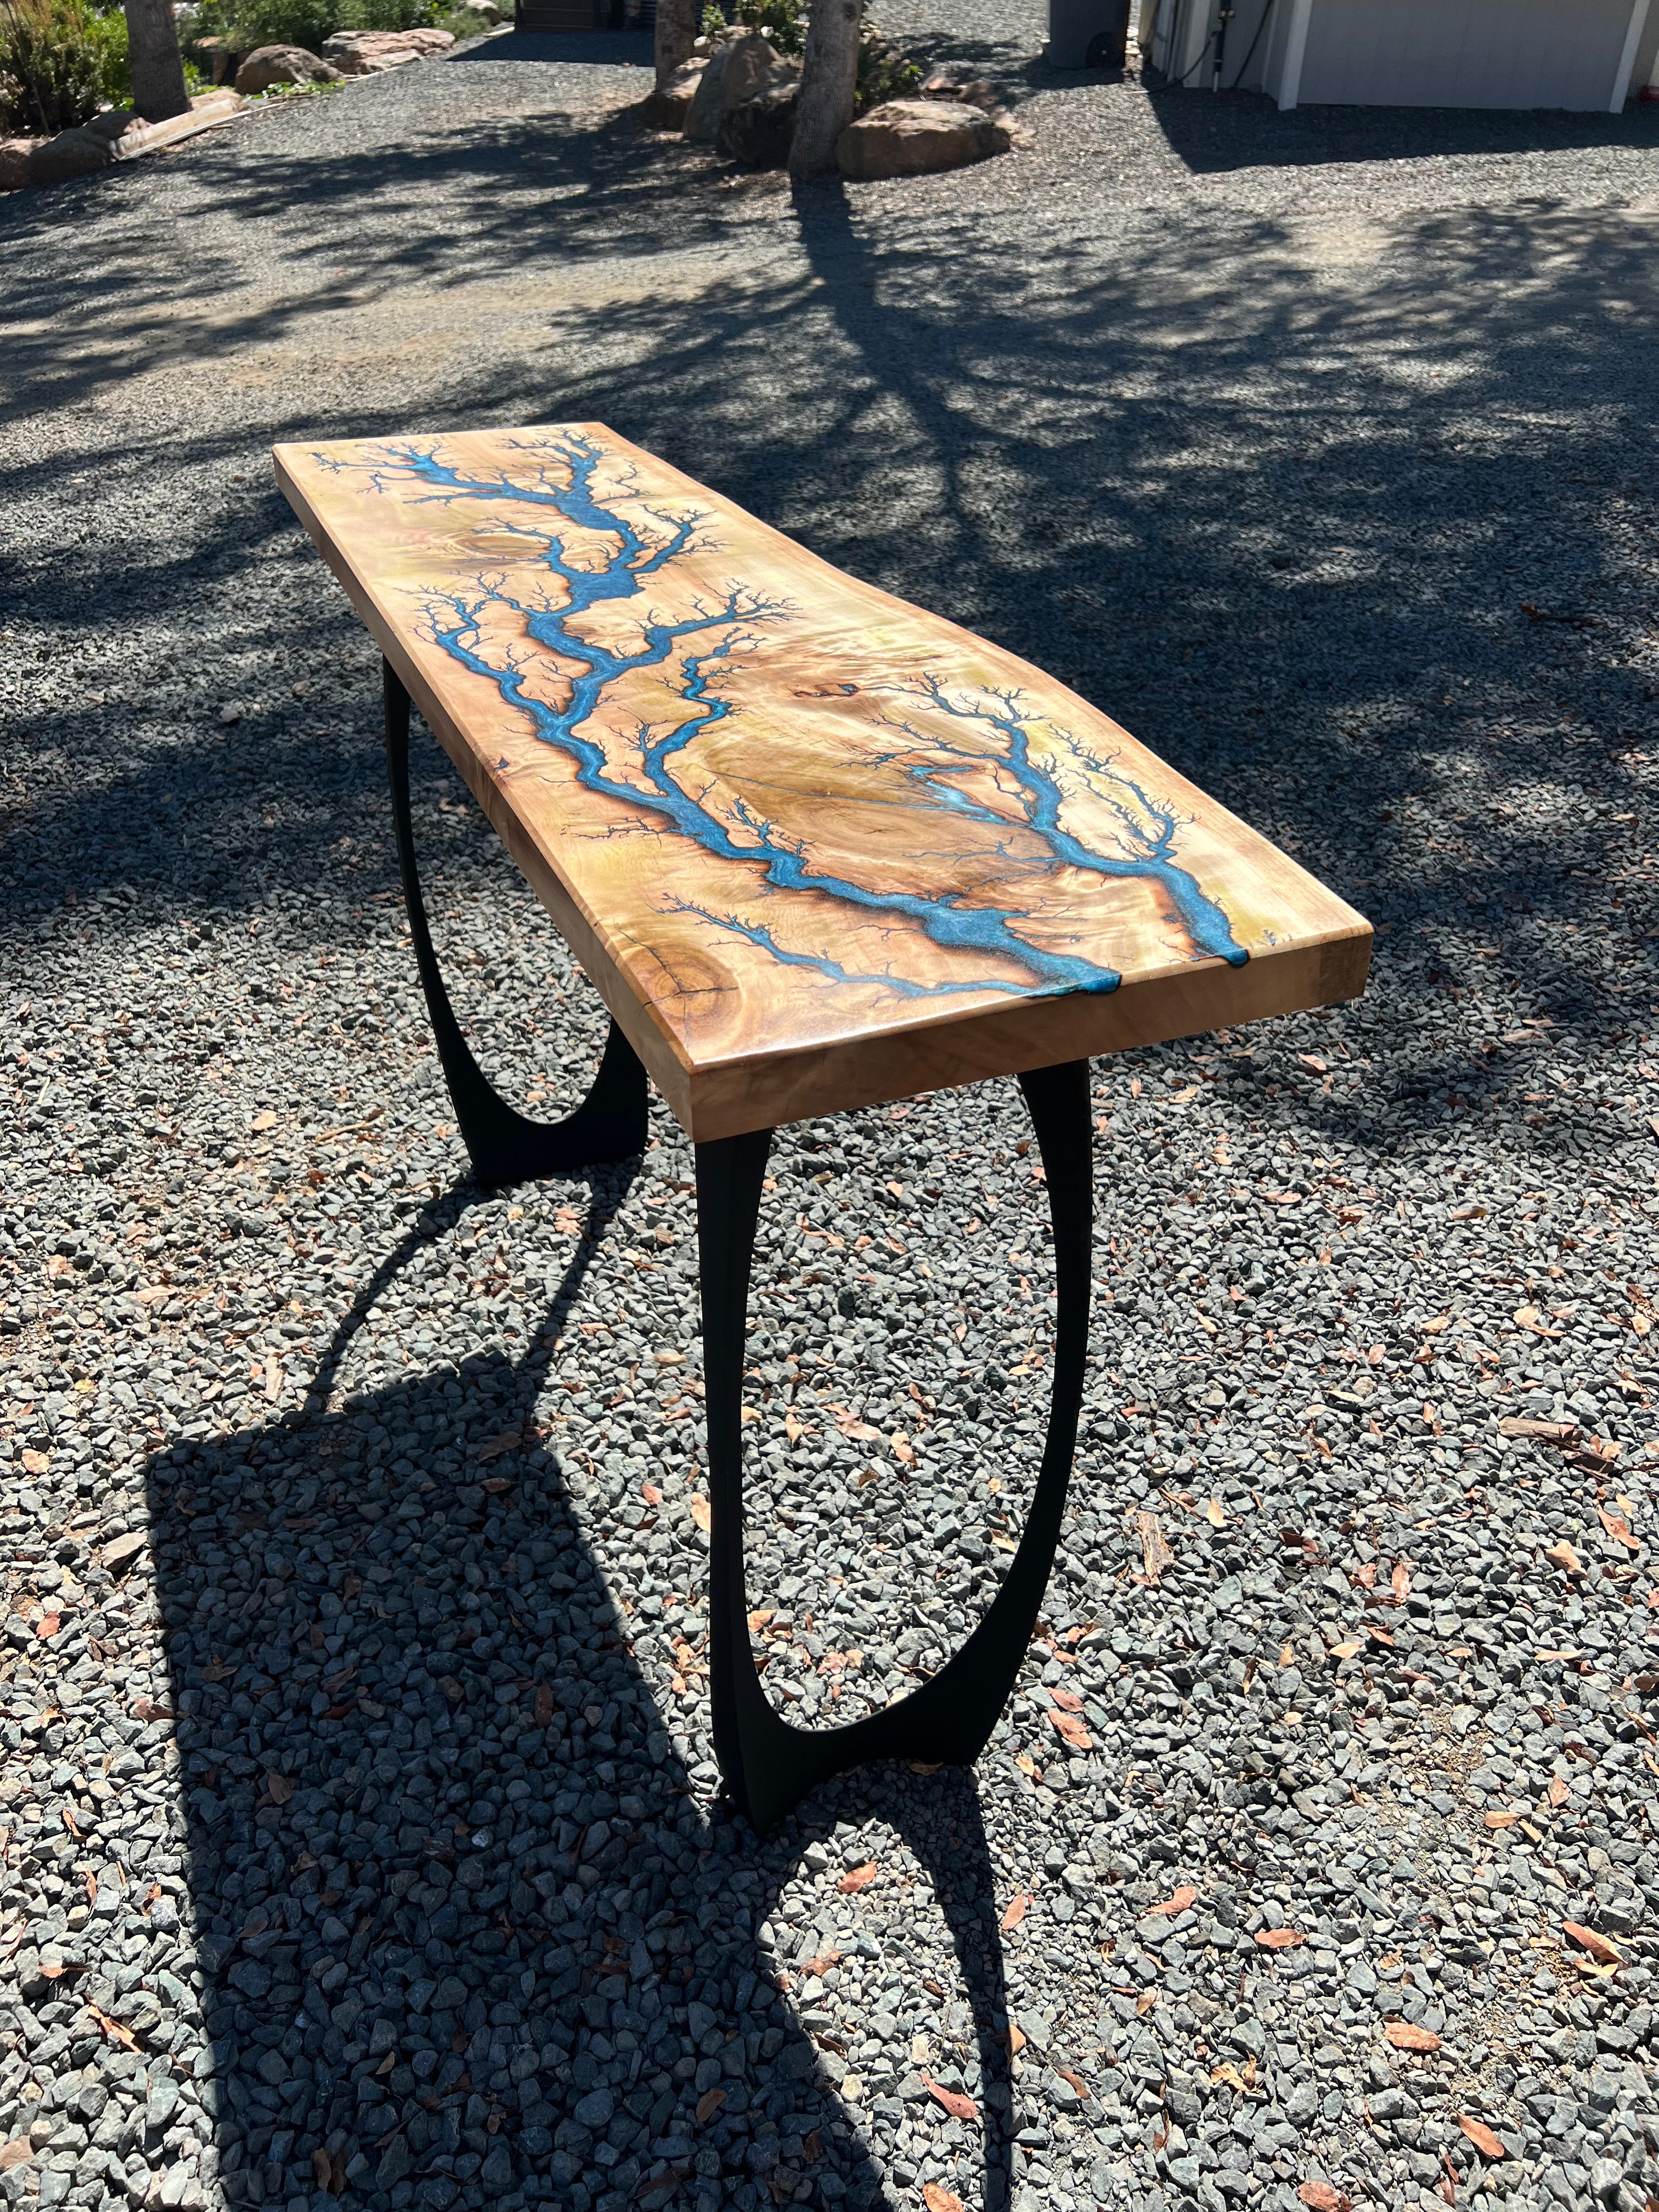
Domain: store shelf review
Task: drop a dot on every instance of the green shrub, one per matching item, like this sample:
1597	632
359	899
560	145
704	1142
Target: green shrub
60	62
782	21
247	24
884	72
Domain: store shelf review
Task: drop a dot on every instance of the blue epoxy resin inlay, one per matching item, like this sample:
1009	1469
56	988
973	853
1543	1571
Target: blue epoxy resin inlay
696	655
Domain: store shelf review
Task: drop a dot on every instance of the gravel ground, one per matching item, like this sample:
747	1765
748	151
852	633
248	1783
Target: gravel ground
361	1834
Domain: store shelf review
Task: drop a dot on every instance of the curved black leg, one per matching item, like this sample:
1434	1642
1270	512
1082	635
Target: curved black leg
769	1764
506	1146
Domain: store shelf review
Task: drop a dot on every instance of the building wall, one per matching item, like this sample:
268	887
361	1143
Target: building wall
1463	53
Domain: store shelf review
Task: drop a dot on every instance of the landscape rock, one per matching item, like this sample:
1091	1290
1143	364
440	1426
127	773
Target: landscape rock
913	138
14	156
486	11
978	92
114	124
269	66
366	53
667	108
758	131
738	71
77	153
221	55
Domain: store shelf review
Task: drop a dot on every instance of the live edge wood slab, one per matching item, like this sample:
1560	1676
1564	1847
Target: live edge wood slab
816	848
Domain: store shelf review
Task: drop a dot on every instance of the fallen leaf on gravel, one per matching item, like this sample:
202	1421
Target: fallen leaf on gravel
707	2105
117	2031
265	1120
1015	1912
702	1511
1481	2137
1592	1455
37	1463
1564	1556
1557	1791
1016	2040
48	1626
1558	1654
1067	1700
939	2200
543	1705
1155	1552
1548	1432
1400	1582
1347	1650
493	1447
280	1787
1597	1946
1527	1317
1323	2198
951	2100
1228	2076
820	1962
18	2152
1215	1514
1311	1060
1618	1529
1183	1897
857	1878
1405	2037
1279	1939
1433	1328
1072	1731
1144	2002
1028	1767
1500	1819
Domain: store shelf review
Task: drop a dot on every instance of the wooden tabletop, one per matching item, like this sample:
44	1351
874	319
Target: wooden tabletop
815	848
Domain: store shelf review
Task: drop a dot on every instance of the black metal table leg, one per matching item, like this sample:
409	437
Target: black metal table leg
769	1764
506	1146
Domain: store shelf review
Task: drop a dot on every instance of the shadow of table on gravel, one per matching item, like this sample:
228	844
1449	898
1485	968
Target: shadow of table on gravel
462	1925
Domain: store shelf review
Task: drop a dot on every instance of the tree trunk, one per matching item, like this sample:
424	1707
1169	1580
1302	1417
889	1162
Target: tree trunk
677	34
829	86
158	75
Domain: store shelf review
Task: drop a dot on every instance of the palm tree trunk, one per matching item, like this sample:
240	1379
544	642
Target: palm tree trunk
829	86
158	73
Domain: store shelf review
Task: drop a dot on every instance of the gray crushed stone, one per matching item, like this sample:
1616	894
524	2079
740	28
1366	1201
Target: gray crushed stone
362	1836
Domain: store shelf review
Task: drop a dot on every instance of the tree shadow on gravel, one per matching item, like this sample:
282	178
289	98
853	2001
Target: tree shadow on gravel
468	1937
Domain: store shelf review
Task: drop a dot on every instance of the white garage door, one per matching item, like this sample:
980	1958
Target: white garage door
1466	53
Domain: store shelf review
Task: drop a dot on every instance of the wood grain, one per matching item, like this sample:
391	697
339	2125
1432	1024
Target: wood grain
815	847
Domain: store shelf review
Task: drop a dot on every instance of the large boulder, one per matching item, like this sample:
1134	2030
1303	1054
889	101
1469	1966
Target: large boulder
366	53
114	135
14	157
913	138
78	153
269	66
667	107
758	131
740	70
